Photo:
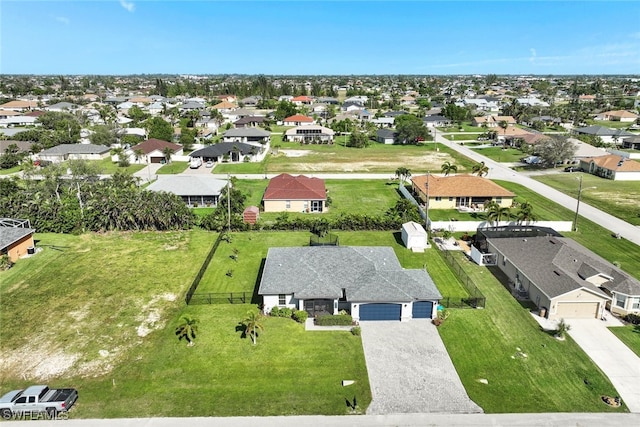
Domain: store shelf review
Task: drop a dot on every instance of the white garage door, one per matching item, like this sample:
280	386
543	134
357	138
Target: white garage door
577	310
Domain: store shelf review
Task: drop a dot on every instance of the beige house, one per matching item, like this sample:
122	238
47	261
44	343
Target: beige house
493	121
613	167
618	116
562	278
16	238
287	193
459	191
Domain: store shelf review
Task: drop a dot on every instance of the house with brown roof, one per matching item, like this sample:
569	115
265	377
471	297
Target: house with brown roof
493	121
152	150
612	166
288	193
298	120
19	105
225	106
459	191
618	116
302	100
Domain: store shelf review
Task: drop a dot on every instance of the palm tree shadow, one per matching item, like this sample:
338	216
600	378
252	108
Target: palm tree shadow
242	329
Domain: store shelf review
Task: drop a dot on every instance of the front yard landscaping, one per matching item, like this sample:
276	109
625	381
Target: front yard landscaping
172	168
499	154
525	369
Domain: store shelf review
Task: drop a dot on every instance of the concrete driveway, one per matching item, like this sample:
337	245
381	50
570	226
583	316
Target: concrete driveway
614	358
410	370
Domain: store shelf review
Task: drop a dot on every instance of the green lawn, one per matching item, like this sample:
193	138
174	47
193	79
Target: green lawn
610	124
11	170
377	158
110	168
112	303
630	335
542	207
173	168
483	345
510	155
466	127
618	198
462	137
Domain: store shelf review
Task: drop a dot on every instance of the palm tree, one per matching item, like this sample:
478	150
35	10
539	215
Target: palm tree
480	169
403	173
504	125
496	213
167	152
525	213
187	329
253	323
448	167
138	153
119	152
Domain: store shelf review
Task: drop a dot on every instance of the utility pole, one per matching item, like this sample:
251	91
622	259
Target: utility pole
228	204
426	220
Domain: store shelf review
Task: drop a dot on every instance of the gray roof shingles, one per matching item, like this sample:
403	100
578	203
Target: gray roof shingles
10	235
188	185
368	274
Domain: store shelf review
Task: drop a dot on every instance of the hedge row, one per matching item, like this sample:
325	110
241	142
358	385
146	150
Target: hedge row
334	320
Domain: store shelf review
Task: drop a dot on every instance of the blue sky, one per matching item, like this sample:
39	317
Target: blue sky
328	37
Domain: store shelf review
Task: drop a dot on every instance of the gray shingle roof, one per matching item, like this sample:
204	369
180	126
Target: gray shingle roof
222	148
189	185
76	149
247	132
10	235
558	265
368	274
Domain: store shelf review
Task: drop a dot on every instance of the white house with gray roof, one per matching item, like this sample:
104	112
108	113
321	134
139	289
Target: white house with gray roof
368	282
63	152
195	190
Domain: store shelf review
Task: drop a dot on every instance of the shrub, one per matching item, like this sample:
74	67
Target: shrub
356	330
634	319
275	312
437	321
337	320
300	316
281	312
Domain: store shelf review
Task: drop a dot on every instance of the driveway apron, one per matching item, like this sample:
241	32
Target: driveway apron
612	356
410	370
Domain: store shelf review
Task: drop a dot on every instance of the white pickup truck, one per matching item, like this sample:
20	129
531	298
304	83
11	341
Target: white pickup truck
37	399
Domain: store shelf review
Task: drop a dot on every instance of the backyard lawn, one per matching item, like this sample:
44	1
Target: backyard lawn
618	198
630	335
490	344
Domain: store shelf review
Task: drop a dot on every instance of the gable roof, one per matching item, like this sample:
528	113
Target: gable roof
154	144
368	274
602	131
460	185
301	98
188	185
10	235
558	265
288	187
23	146
224	105
247	132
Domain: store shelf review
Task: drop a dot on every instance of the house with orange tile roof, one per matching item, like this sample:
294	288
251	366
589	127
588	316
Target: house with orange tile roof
612	166
297	120
288	193
302	100
459	191
225	106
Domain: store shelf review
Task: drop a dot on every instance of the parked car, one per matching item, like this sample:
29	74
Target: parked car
572	169
37	399
209	164
195	163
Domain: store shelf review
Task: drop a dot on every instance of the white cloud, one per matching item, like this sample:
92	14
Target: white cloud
62	20
532	58
128	5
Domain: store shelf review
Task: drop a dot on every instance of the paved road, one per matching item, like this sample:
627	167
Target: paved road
410	370
453	420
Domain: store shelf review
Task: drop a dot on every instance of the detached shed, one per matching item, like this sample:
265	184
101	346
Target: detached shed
251	215
414	236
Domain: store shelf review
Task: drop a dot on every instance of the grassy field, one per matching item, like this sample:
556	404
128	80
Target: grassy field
10	170
100	311
618	198
630	335
462	137
377	158
109	167
610	124
484	344
466	127
173	168
372	197
510	155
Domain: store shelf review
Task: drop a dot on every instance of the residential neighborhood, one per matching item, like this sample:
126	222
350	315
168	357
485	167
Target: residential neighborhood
476	233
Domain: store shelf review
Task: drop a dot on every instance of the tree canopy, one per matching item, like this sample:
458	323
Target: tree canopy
159	128
410	129
555	149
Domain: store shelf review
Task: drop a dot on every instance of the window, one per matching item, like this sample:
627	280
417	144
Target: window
451	199
620	300
23	399
635	303
32	399
504	261
287	204
305	205
498	200
282	299
438	199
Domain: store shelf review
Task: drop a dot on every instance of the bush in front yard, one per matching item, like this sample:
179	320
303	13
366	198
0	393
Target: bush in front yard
300	316
337	320
281	312
634	319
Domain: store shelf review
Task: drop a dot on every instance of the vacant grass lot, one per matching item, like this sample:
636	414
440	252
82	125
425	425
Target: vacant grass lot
109	167
173	168
371	197
483	344
462	136
377	158
630	335
618	198
498	154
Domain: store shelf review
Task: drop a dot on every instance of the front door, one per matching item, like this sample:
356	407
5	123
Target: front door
316	206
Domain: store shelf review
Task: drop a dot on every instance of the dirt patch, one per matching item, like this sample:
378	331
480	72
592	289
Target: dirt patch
35	361
295	153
